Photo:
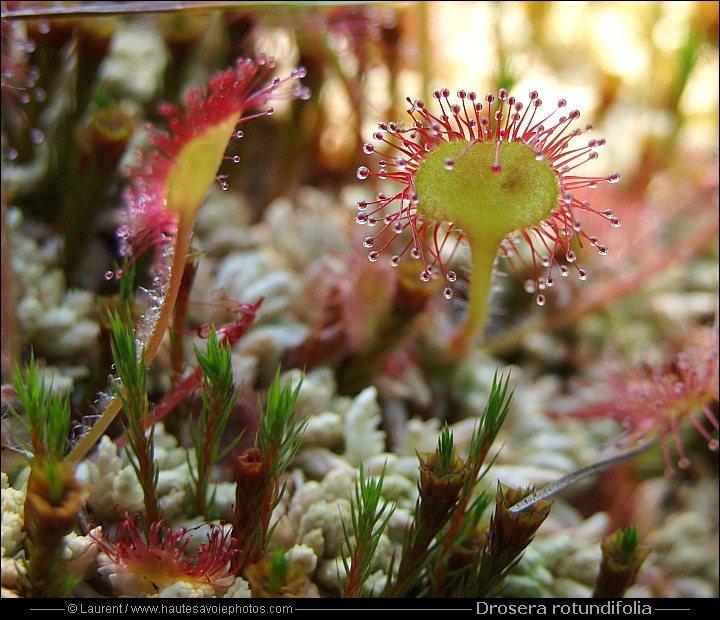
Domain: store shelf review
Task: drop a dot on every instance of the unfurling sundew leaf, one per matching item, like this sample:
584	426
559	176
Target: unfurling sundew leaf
169	184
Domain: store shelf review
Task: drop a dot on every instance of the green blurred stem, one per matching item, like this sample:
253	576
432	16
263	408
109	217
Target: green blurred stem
483	254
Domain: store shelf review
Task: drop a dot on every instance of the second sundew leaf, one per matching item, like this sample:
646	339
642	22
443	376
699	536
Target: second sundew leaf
498	174
169	183
196	168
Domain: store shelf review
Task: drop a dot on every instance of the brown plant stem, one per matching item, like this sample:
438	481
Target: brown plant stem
53	499
622	558
439	488
449	541
252	501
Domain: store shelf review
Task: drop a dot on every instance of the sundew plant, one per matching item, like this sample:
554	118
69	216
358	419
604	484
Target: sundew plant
485	174
360	300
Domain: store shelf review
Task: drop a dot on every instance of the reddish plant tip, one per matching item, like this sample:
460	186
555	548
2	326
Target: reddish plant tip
169	183
172	176
657	400
164	559
498	173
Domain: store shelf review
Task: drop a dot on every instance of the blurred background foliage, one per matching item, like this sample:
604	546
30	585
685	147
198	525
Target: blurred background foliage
79	79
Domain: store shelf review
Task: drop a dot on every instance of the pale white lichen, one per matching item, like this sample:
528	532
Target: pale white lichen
324	429
375	584
222	227
315	539
318	462
328	517
66	326
306	230
309	493
13	535
362	421
266	344
377	464
68	329
686	548
581	565
123	582
59	323
223	494
563	560
136	61
186	589
127	490
255	274
115	489
80	551
13	509
338	484
316	391
12	572
239	589
174	479
99	475
317	512
419	436
304	558
316	509
174	503
400	489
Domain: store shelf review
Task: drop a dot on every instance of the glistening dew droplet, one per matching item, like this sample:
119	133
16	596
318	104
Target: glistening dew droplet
495	176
